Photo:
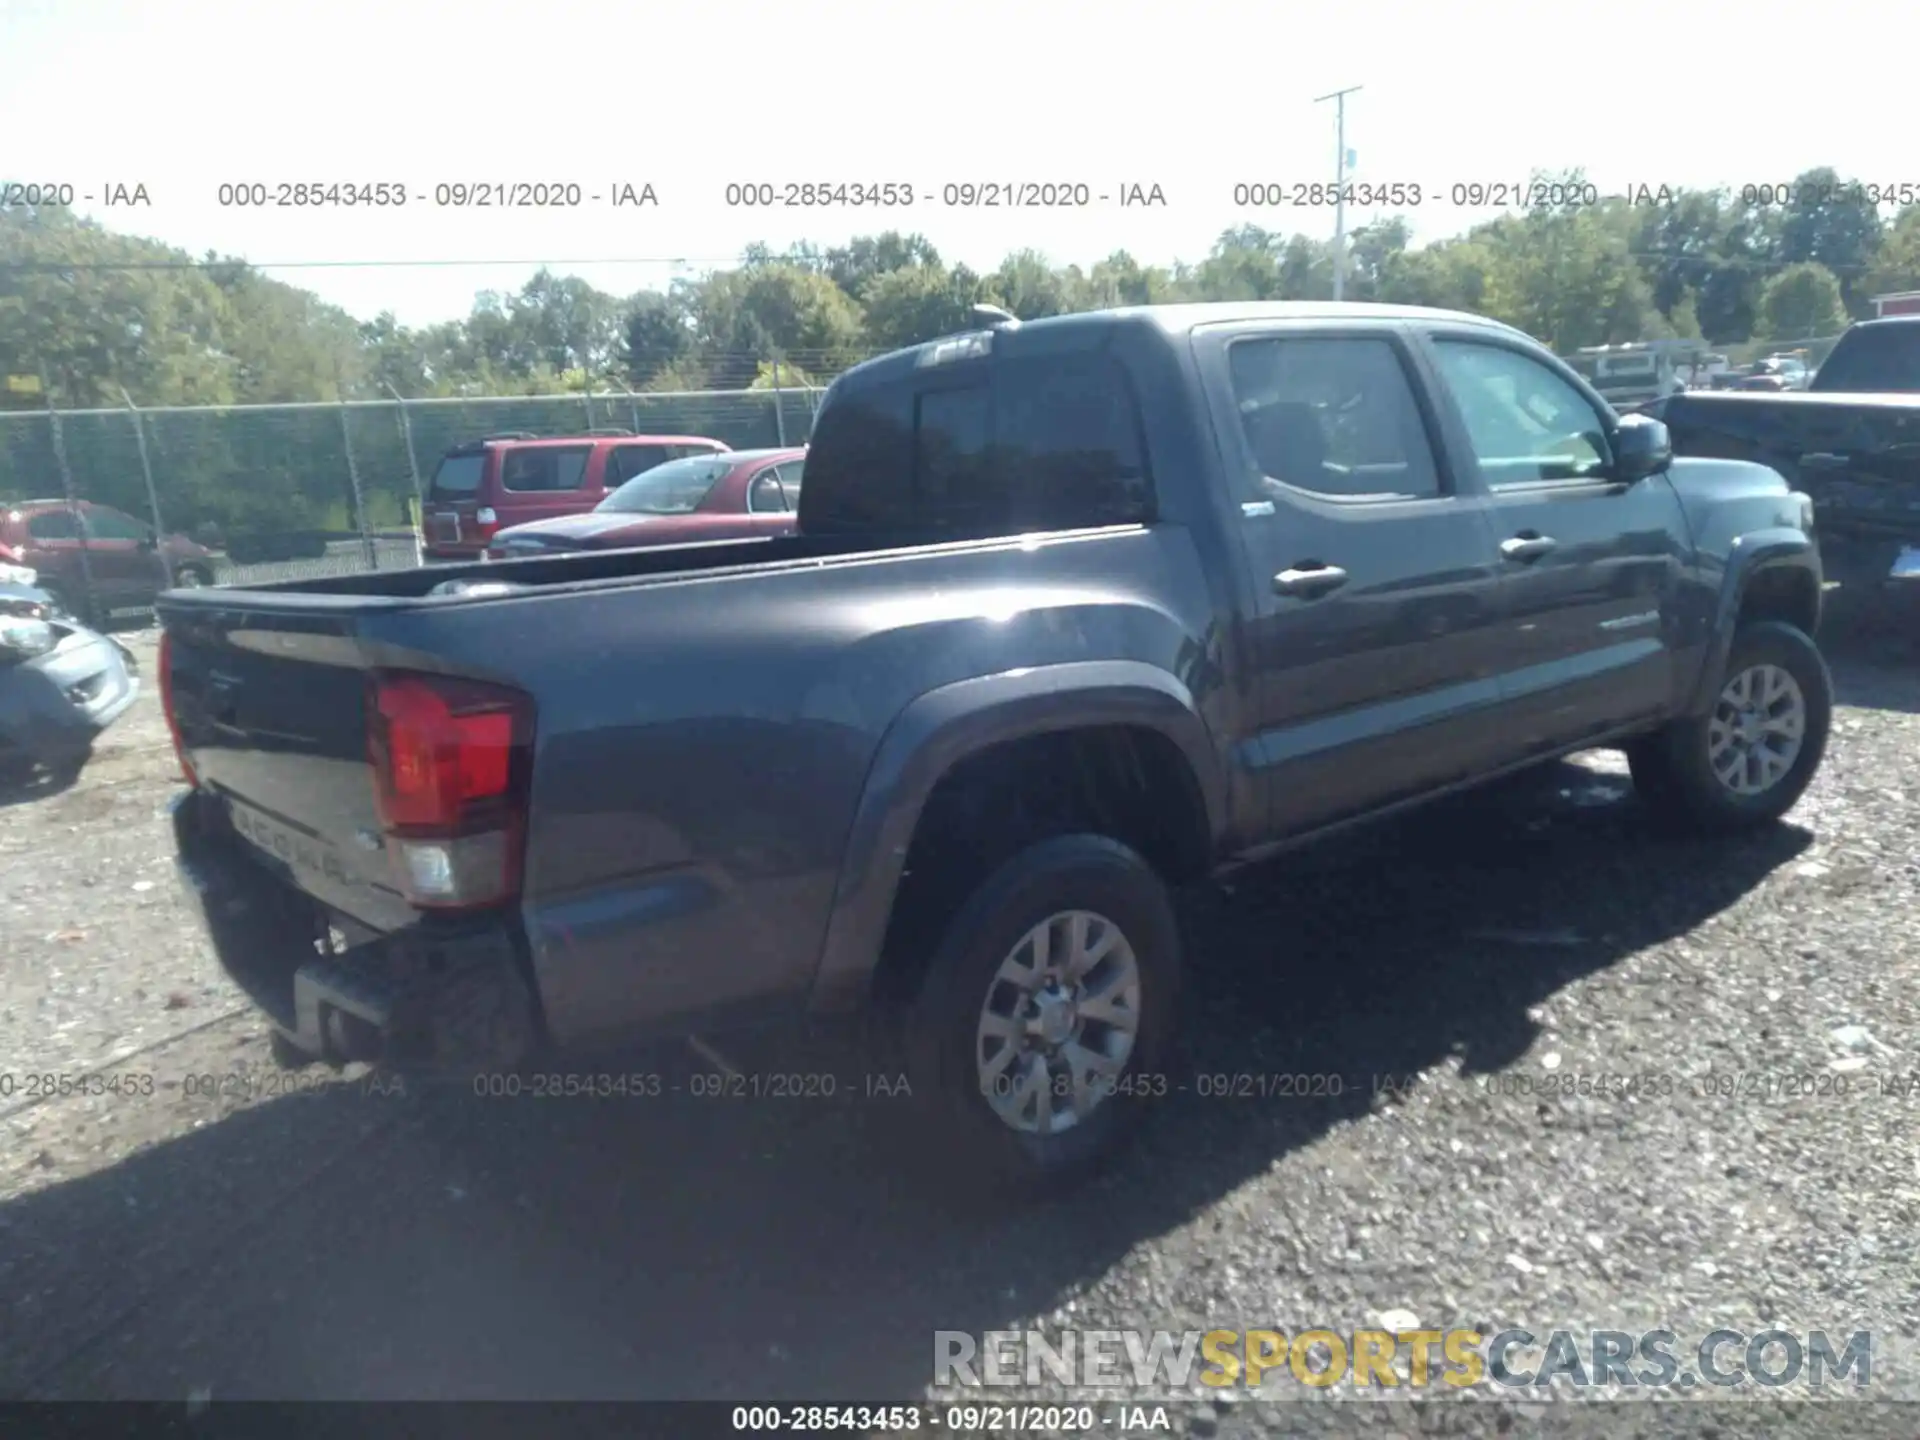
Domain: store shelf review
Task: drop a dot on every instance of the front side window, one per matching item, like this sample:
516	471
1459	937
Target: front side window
1525	423
112	525
1333	416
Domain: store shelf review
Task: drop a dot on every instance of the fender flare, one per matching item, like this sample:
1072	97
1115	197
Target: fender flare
944	726
1749	555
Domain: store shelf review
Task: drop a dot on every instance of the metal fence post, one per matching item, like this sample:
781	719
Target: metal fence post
73	504
633	401
413	469
779	406
146	465
359	504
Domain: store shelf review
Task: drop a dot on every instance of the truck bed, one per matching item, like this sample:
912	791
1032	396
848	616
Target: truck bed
334	593
707	717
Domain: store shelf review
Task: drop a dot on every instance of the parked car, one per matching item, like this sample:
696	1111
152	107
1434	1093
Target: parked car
1774	374
1851	441
128	566
61	684
735	495
502	481
1077	610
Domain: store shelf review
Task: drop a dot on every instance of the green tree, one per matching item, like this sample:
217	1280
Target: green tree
855	266
1832	224
919	302
759	311
1802	302
658	335
1031	288
1568	278
1896	267
94	311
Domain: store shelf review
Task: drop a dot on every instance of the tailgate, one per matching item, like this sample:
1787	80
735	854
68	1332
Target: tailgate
272	713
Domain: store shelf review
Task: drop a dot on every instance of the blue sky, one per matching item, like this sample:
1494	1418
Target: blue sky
1192	97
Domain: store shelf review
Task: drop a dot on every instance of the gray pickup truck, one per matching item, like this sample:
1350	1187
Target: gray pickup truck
1078	610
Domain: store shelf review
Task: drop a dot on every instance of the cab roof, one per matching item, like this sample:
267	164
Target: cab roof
1085	328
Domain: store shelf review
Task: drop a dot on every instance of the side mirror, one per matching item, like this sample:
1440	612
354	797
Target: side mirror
1641	447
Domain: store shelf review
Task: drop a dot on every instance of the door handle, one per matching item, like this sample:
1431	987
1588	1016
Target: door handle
1524	548
1309	582
1823	460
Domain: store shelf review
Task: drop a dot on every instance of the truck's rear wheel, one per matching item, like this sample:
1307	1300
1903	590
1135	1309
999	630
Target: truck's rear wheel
1048	1015
1748	760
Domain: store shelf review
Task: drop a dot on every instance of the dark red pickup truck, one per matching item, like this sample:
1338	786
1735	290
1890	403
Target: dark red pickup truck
480	489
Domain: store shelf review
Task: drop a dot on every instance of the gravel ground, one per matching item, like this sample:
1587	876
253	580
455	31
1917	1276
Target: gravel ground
344	1241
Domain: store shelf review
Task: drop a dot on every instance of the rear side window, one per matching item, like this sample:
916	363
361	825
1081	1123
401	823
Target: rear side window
53	525
458	475
764	494
1882	359
792	477
103	524
627	461
1332	416
544	468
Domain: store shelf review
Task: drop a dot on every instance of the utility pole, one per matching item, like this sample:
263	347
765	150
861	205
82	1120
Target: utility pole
1339	98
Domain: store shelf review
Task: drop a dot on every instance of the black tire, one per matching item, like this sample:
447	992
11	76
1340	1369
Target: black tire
975	1147
65	771
284	1053
1672	770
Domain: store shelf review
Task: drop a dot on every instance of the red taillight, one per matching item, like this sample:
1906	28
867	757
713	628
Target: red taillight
449	764
165	664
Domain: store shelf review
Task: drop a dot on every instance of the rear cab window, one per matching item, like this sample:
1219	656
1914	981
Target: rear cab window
542	469
1873	359
1007	447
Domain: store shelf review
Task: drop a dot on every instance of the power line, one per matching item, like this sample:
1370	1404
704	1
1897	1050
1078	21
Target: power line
62	266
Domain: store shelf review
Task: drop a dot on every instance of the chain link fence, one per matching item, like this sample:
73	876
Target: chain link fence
111	505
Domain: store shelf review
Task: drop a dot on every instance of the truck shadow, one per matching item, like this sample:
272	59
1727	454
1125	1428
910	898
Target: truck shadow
353	1244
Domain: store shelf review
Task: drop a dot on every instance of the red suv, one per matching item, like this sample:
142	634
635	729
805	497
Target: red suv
503	480
129	566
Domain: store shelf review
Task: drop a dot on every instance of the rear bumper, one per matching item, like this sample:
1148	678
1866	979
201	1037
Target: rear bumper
420	997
